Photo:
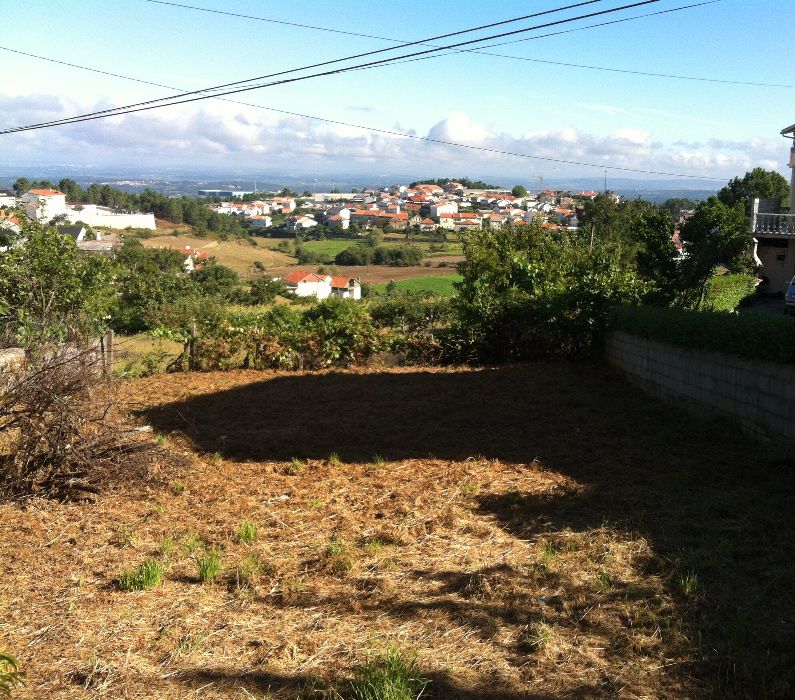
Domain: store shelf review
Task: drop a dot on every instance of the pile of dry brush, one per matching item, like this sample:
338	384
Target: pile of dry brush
61	434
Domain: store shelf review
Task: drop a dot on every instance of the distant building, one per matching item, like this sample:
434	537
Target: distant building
45	204
224	193
7	198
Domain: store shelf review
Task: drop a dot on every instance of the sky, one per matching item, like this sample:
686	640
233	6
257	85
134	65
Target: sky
704	129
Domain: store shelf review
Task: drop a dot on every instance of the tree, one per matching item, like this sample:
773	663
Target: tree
73	191
264	290
657	257
50	292
22	185
765	184
519	191
526	293
716	235
216	280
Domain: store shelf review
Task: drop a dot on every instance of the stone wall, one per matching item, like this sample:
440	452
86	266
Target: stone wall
759	395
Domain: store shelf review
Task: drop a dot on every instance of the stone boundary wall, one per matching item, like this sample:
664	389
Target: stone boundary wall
759	395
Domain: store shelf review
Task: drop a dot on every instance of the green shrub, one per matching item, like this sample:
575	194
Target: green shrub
726	292
752	336
10	675
209	565
391	677
147	575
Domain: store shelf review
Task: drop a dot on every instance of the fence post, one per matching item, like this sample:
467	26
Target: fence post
192	349
108	352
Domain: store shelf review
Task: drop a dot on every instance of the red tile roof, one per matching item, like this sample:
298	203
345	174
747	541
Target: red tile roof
47	193
302	276
342	282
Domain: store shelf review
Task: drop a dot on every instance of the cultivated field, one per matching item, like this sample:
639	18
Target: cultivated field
545	531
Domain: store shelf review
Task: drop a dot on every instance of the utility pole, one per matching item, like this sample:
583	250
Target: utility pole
605	180
541	182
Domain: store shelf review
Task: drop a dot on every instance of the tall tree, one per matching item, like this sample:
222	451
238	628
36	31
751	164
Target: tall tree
767	184
716	235
519	191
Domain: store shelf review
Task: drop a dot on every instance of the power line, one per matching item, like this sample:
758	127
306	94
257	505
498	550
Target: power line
387	132
647	74
175	99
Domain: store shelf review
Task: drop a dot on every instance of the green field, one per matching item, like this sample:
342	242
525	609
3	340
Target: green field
441	285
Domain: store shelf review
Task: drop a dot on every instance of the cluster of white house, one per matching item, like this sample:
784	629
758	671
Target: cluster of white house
48	204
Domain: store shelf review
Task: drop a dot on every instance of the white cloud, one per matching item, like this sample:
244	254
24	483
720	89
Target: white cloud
225	133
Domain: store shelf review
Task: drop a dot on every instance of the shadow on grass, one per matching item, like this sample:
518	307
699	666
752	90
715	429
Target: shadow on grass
710	501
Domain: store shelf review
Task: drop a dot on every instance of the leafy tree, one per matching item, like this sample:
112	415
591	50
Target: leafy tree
675	205
73	191
759	182
216	280
50	292
22	185
519	191
716	235
264	290
526	293
657	258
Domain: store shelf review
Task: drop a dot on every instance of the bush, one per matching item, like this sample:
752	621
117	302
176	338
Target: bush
727	292
752	336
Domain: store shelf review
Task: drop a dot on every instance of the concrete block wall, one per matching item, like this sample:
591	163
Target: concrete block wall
758	395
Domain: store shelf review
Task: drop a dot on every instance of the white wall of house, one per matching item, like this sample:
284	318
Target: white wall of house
319	289
44	207
94	215
7	201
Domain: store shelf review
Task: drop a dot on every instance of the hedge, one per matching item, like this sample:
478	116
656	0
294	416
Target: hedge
726	292
754	336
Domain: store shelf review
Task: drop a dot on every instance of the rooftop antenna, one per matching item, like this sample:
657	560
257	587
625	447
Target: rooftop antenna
541	183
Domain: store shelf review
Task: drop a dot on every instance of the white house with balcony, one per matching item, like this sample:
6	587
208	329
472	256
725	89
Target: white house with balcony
774	233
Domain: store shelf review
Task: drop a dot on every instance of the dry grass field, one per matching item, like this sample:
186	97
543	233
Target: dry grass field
237	254
543	531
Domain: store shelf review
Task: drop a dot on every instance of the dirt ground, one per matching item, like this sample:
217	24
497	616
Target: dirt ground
543	531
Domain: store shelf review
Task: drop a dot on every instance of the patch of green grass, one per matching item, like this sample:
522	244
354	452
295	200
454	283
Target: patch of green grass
10	675
328	248
378	461
178	488
390	677
191	543
549	552
247	532
441	285
294	467
539	635
147	575
373	546
334	460
167	546
160	439
689	583
209	565
336	548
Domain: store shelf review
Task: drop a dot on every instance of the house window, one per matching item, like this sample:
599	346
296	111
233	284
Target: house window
781	257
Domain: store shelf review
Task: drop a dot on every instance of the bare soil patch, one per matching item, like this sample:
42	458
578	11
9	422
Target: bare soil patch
543	531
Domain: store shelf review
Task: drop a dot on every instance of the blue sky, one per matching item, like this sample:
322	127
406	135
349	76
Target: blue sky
708	129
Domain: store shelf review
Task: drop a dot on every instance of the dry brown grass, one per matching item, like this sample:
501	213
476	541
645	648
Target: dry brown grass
527	533
237	254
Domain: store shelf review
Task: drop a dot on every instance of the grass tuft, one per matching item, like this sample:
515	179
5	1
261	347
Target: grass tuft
209	565
390	677
147	575
247	532
334	460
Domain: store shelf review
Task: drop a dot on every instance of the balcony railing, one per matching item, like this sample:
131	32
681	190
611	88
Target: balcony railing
774	224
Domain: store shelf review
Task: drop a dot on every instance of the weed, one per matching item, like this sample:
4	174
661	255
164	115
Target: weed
373	546
147	575
247	532
216	457
334	460
10	675
378	461
178	488
604	582
336	548
689	583
167	546
390	677
548	552
315	503
469	489
294	467
191	543
160	439
248	569
209	565
539	635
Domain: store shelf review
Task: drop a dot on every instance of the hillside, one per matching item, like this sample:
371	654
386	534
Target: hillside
532	531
